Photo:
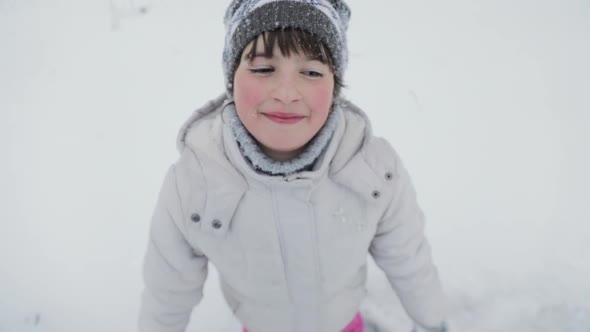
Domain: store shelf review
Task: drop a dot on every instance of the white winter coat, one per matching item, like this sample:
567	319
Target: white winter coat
291	251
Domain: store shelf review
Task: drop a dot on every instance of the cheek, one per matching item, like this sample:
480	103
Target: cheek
247	92
322	96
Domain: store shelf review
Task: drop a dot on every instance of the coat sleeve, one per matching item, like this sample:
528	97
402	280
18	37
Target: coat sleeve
174	272
401	250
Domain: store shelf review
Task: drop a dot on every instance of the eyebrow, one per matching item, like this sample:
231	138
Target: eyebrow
256	55
314	58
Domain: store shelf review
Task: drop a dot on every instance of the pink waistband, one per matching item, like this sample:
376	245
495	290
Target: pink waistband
356	325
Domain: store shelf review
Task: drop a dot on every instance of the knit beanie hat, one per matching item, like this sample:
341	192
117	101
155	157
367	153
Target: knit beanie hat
246	19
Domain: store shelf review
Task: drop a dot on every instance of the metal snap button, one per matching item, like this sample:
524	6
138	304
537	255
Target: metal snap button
195	217
217	224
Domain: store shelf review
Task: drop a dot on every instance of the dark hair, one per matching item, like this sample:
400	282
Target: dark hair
292	40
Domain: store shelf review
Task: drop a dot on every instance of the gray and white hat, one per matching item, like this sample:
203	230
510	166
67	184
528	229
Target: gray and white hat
246	19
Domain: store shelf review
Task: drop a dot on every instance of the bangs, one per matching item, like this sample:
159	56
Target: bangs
292	41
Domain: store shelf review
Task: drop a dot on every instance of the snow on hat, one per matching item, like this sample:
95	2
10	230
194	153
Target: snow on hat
246	19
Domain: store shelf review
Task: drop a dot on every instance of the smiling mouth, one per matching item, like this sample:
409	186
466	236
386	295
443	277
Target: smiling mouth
284	118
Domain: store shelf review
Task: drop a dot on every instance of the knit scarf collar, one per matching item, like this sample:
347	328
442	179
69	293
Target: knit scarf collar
262	163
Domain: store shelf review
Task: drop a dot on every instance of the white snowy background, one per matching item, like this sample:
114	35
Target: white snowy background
488	102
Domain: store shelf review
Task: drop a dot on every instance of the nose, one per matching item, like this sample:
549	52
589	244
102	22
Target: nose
286	89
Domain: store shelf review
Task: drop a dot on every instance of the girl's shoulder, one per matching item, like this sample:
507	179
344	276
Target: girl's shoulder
380	154
199	128
377	152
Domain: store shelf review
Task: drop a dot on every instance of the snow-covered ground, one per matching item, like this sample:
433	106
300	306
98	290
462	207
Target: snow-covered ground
487	102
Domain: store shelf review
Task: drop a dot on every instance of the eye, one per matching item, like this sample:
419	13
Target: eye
312	73
264	70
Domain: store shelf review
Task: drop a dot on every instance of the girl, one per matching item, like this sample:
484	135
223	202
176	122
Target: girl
282	186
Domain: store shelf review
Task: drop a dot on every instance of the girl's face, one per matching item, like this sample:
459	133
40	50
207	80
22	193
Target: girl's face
282	101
